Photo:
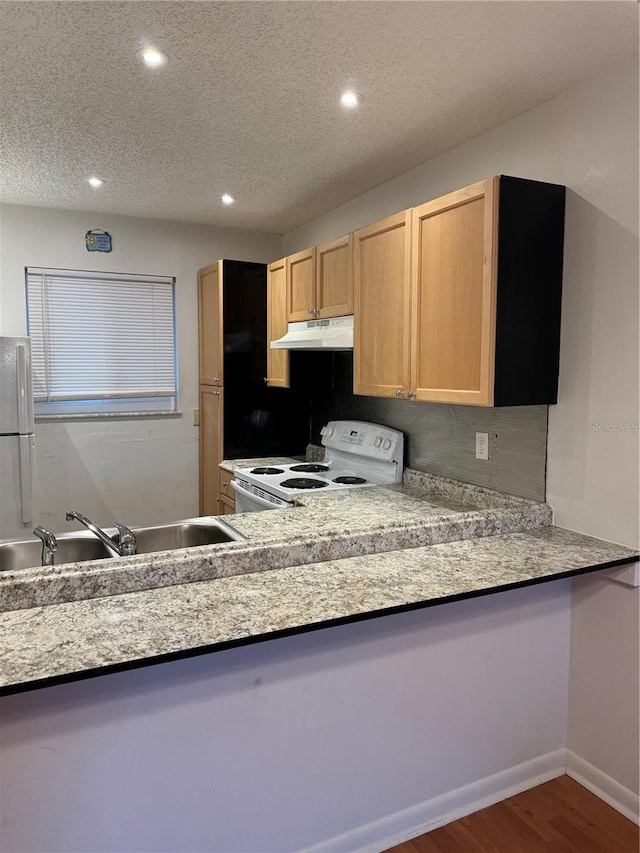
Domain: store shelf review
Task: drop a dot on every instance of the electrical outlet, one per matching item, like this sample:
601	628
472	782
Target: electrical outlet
196	417
482	445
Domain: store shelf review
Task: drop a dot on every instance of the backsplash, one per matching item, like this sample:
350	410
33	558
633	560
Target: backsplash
440	439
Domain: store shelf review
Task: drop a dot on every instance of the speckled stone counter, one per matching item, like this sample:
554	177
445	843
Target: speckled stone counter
230	465
48	645
423	510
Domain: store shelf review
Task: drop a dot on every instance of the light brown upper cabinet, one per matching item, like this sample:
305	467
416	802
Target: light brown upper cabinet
453	293
277	360
320	281
210	324
334	278
301	285
382	307
485	289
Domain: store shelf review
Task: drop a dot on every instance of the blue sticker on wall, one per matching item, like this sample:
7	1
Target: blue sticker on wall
97	240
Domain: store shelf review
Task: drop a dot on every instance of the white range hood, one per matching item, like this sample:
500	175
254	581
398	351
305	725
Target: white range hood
336	333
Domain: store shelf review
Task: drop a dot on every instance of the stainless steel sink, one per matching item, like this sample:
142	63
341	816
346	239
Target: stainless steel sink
71	549
76	548
183	534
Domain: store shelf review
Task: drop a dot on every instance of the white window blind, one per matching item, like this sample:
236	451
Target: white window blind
101	341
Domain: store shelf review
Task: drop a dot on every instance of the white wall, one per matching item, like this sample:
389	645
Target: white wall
283	745
587	139
141	470
604	678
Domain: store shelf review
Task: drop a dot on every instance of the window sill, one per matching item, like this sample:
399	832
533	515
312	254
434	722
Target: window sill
107	416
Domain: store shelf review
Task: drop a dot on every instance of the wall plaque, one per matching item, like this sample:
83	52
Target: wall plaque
97	240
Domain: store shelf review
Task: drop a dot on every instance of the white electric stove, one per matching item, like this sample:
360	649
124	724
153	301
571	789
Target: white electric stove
357	455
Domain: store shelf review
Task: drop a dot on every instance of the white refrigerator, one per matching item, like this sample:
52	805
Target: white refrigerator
17	439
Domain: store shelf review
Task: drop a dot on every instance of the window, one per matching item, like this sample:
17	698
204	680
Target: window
102	343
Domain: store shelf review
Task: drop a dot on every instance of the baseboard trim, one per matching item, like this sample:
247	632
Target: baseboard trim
622	799
438	811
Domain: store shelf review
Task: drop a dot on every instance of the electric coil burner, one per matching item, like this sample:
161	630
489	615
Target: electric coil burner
303	483
357	455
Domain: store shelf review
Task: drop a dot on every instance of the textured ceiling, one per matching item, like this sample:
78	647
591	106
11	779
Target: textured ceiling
248	103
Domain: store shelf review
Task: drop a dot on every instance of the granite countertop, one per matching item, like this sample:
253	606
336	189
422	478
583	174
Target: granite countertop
423	510
230	465
42	646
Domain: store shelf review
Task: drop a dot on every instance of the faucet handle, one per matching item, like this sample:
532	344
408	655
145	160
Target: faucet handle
47	537
126	539
49	544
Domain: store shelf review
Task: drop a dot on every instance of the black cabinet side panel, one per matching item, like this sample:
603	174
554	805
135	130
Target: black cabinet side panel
530	249
258	421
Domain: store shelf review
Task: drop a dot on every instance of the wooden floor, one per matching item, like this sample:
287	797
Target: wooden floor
558	817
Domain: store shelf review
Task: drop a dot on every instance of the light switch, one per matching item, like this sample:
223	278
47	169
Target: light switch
196	417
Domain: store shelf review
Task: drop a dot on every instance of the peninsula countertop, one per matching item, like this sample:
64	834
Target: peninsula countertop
49	645
339	557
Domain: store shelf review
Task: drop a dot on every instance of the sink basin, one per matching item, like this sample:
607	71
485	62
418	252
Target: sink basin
183	534
74	548
71	549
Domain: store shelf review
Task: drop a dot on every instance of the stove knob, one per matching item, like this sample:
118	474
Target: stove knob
386	444
377	441
328	432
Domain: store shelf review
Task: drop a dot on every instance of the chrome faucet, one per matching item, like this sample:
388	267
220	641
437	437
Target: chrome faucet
124	544
49	545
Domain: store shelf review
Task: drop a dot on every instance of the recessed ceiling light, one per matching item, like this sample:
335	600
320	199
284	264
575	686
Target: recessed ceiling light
227	199
350	99
152	57
95	182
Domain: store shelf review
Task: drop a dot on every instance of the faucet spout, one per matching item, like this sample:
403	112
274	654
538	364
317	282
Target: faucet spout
124	546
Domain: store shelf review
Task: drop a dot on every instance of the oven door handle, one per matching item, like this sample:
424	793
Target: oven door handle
260	501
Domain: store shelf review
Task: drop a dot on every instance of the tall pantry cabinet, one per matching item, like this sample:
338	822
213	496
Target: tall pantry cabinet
240	417
210	314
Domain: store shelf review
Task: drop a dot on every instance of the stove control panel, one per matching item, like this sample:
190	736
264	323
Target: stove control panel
363	439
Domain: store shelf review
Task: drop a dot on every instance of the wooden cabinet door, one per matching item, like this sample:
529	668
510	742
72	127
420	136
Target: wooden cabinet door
211	444
277	359
382	300
334	278
225	490
301	285
227	507
210	324
454	296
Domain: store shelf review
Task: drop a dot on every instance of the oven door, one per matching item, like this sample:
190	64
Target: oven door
248	502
